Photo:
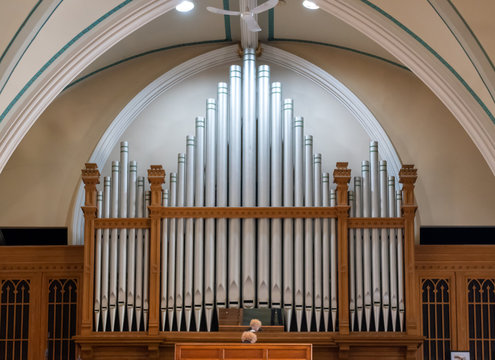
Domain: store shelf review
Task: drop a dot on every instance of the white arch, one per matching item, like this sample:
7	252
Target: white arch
222	56
425	65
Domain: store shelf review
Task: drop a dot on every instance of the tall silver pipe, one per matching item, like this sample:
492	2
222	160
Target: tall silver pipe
114	245
97	303
172	259
288	197
352	262
210	201
358	194
139	253
263	188
131	245
333	263
308	230
105	253
299	223
189	233
367	267
326	251
179	241
235	161
384	245
392	253
317	200
146	262
122	292
375	233
276	188
222	185
199	200
164	265
400	261
249	176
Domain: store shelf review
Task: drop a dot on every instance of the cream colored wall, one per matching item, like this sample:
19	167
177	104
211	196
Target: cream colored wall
38	186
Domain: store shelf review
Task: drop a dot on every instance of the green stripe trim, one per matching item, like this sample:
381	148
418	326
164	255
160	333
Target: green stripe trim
27	47
141	55
433	52
460	44
60	52
226	19
20	29
342	48
271	24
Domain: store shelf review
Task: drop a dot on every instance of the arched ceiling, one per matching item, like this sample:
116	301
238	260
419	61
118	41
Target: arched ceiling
47	45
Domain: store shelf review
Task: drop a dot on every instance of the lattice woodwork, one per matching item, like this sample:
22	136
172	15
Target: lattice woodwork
481	312
14	319
436	318
62	318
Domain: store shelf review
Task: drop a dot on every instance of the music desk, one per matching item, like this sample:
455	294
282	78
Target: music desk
234	351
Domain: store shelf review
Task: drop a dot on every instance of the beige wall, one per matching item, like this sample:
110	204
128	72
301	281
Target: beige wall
38	186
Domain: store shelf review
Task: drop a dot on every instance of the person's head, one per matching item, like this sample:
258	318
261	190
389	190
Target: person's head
255	324
249	337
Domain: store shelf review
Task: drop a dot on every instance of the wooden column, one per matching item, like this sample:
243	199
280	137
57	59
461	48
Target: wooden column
90	177
156	177
341	177
407	177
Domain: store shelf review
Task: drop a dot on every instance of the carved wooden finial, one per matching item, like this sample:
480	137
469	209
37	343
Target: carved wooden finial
341	177
407	177
90	178
156	177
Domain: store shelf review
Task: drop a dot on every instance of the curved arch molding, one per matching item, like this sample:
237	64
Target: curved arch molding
223	56
426	64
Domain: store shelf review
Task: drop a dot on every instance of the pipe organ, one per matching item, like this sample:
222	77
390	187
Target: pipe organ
249	219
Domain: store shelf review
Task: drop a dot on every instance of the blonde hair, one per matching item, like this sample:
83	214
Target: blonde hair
249	336
255	322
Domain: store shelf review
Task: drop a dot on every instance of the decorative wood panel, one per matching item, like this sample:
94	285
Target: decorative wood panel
14	319
436	318
481	313
62	318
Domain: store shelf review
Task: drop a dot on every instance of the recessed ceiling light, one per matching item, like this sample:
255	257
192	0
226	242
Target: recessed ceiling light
310	5
185	6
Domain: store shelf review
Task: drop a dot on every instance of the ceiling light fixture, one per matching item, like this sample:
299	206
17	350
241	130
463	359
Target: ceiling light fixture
310	5
185	6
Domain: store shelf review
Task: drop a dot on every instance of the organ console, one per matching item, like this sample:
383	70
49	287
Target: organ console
249	220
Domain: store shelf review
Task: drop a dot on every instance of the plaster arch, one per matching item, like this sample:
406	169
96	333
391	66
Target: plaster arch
223	56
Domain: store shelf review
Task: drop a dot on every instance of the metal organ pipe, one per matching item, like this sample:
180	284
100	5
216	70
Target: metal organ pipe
299	223
384	246
367	267
146	256
333	262
276	194
122	293
375	236
235	161
105	254
139	253
98	245
114	245
288	199
211	112
308	230
326	251
249	176
164	265
317	200
179	241
263	188
172	255
358	195
131	245
189	233
221	195
199	200
392	253
400	261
